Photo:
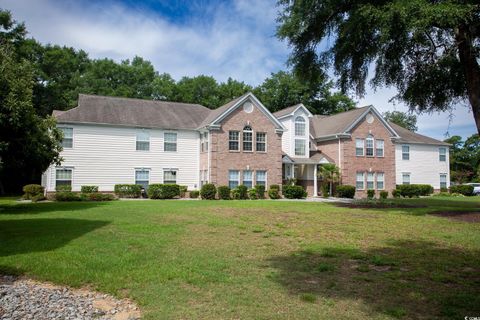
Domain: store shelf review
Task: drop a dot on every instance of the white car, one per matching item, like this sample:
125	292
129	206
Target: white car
476	188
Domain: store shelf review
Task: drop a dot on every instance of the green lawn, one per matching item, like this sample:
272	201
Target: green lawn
253	259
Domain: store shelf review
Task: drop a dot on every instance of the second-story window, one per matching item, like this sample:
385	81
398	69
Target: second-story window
299	126
233	140
369	146
405	152
261	142
67	141
170	141
247	138
359	147
379	147
143	141
204	142
300	148
442	154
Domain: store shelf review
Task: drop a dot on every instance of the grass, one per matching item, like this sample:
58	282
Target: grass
253	259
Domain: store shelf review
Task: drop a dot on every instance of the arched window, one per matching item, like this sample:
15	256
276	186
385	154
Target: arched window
299	126
247	138
369	146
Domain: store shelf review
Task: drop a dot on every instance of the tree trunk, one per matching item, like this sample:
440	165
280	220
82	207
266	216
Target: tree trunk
471	69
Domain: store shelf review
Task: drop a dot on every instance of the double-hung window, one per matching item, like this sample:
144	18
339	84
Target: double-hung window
405	178
300	148
442	154
248	178
379	148
67	141
247	138
369	146
405	152
142	177
233	140
63	177
300	126
359	147
204	142
261	141
443	181
360	181
143	141
380	180
233	178
170	176
370	180
261	178
170	141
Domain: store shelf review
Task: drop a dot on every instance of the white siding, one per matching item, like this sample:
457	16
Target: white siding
288	137
106	155
424	165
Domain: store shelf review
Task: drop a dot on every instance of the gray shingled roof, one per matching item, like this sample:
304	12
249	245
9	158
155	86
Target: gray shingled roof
134	112
407	136
217	112
335	124
285	111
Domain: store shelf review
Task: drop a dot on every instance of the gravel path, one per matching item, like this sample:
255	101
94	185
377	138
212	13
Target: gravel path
27	299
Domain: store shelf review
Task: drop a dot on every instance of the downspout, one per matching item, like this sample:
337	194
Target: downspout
208	156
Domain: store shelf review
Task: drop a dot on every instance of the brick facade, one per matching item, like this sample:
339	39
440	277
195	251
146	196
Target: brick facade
222	160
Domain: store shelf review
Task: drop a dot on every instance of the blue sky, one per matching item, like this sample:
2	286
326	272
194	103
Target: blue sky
223	39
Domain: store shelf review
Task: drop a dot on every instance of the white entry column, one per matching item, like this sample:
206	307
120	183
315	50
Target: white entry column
315	186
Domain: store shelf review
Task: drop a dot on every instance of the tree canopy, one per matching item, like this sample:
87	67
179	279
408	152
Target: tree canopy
403	119
464	158
429	50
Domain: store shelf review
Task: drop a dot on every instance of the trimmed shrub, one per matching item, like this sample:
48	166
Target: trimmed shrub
414	190
242	192
274	192
370	194
67	196
395	193
383	195
32	190
97	196
252	194
294	192
163	191
38	197
260	191
444	190
346	191
183	191
465	189
194	194
208	191
128	190
89	189
63	188
223	193
325	190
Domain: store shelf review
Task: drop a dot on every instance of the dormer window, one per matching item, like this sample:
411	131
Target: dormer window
299	126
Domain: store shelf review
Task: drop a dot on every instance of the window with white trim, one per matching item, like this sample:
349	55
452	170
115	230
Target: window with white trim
233	140
442	154
63	177
359	147
405	178
300	149
370	180
405	152
67	140
261	141
247	138
170	141
360	182
142	177
261	178
170	176
380	180
443	181
203	177
369	146
379	147
233	178
248	178
300	126
143	141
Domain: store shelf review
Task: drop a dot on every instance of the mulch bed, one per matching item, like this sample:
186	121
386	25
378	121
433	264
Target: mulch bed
377	205
466	216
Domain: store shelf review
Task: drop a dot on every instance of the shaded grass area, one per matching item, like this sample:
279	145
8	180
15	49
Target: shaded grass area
253	259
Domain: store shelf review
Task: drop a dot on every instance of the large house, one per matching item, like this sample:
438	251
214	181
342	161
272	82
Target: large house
110	141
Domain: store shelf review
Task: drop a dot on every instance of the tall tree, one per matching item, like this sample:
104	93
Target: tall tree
464	158
429	50
28	143
403	119
200	89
